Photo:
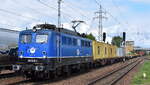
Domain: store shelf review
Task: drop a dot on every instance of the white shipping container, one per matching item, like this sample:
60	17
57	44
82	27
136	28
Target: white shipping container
121	52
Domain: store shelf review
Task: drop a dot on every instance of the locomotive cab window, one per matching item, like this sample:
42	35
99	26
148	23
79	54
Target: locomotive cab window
41	38
26	38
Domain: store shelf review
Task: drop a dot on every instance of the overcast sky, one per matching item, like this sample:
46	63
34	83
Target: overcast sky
131	16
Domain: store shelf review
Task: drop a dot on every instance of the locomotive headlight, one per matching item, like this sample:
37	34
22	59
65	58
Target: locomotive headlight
21	54
44	54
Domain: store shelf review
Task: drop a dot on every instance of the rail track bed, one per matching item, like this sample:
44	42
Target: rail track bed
85	78
111	78
8	77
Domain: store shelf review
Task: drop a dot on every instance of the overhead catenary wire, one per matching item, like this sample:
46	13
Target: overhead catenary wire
78	10
119	10
114	3
113	17
10	25
16	14
46	5
42	13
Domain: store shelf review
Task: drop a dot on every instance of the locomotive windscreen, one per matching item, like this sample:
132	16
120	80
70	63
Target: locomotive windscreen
26	38
41	38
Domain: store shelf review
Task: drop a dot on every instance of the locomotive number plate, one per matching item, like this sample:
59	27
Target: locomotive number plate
32	60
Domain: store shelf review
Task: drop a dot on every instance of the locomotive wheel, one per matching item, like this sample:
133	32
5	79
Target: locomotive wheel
58	71
52	75
87	66
66	71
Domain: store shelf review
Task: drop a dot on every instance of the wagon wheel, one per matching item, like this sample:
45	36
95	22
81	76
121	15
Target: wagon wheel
103	62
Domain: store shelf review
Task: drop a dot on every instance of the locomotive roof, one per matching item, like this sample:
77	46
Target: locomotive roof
56	29
53	27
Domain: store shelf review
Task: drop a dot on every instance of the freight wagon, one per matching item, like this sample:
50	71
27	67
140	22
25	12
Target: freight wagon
106	53
8	48
8	59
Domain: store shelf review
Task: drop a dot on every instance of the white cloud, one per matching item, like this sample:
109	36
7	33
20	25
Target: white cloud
67	26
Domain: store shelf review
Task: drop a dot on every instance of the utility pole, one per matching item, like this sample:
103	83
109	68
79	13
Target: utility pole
100	18
59	26
59	13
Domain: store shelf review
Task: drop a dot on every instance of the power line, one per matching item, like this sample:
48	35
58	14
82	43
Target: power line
107	12
77	9
114	17
13	13
46	5
10	25
38	11
120	13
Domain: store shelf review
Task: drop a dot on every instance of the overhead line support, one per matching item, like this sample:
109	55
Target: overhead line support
100	18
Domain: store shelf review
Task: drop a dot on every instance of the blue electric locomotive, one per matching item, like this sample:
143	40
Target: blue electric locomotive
46	49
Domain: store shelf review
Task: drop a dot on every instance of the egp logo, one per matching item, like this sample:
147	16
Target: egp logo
32	50
78	52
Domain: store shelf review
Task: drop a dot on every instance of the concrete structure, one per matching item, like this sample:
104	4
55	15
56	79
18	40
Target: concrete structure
129	46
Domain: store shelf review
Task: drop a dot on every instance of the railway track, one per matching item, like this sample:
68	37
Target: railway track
147	58
7	78
111	78
82	79
8	75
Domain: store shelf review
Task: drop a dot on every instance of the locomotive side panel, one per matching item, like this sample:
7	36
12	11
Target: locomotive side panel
72	46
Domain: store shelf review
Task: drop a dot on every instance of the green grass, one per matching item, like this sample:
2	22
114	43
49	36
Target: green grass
138	78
